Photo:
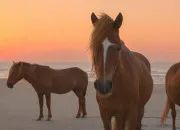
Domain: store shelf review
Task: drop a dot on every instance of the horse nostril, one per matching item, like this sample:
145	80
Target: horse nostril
10	85
103	86
109	85
95	86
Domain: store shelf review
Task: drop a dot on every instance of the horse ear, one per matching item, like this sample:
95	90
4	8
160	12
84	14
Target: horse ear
94	18
118	21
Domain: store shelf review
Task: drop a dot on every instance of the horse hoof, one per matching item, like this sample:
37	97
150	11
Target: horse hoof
48	119
39	118
83	116
78	116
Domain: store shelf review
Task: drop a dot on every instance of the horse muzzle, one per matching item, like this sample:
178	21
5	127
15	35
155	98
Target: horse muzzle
103	86
9	85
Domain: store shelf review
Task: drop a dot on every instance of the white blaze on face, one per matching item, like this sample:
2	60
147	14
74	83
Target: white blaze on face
106	44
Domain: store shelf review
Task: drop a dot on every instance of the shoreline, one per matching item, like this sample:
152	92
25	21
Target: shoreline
90	81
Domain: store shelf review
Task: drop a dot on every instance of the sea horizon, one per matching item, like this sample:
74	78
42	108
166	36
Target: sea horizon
158	68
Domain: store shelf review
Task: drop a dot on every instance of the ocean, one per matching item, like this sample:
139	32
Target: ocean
158	69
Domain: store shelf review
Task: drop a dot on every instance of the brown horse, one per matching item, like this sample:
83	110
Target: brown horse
46	80
124	83
172	92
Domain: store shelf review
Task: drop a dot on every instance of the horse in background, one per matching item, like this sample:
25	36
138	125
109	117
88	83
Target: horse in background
123	80
172	84
46	80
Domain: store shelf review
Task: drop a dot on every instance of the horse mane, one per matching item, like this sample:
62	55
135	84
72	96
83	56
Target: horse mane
99	33
29	64
22	63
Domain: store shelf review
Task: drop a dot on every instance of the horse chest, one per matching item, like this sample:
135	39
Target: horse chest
114	103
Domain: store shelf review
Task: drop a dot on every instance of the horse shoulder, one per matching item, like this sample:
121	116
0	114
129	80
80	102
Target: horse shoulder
43	75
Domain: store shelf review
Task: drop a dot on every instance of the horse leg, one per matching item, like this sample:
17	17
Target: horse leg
131	119
48	104
84	113
173	113
41	102
84	103
115	127
139	118
79	95
105	119
120	122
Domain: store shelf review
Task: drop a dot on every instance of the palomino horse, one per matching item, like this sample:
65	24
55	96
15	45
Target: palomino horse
124	83
172	92
46	81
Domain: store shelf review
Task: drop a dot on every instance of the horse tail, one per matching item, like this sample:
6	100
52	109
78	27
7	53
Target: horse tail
84	91
115	125
165	112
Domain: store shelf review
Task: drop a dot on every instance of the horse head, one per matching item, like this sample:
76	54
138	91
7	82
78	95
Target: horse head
105	47
15	74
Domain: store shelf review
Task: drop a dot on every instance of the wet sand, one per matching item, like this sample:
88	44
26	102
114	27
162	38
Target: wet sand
19	109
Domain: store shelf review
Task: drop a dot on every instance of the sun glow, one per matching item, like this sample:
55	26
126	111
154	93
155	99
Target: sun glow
60	30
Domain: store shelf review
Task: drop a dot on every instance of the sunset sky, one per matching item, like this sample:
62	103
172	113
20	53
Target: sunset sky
59	30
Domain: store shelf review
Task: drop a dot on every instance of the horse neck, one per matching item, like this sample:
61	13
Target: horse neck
124	74
125	60
27	72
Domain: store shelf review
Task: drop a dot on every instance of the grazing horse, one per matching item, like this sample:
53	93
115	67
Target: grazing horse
46	80
123	81
173	93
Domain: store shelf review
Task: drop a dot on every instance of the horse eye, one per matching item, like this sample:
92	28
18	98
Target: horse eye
117	47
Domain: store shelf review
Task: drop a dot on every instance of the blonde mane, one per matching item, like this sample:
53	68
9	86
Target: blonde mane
99	33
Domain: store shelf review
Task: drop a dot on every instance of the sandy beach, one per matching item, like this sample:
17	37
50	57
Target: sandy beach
19	109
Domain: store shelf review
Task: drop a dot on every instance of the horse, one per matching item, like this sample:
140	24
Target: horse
172	83
123	80
46	80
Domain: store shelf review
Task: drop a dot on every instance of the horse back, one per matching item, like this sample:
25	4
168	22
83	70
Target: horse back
174	69
173	83
70	77
173	75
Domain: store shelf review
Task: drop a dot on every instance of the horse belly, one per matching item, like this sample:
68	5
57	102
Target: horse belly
62	88
145	89
145	94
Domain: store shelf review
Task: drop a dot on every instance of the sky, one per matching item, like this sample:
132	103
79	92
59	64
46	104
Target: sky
59	30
